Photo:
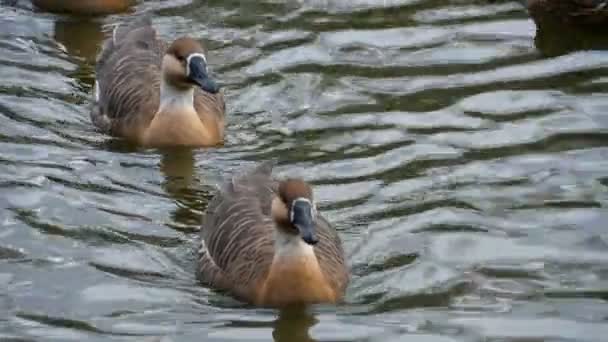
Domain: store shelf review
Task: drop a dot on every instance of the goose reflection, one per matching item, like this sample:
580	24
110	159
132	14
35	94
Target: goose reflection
80	36
293	325
183	185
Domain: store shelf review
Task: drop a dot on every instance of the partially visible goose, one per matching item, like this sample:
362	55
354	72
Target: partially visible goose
156	94
84	7
577	12
263	241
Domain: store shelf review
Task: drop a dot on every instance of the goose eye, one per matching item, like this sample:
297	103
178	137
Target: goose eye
180	58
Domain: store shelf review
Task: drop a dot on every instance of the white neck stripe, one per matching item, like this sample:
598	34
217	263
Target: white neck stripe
171	96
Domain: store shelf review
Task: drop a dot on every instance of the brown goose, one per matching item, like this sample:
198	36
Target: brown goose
578	12
156	95
263	241
85	7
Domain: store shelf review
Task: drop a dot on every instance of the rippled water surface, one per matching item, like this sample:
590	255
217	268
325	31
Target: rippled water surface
464	167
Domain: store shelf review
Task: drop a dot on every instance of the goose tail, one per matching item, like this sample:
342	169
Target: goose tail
121	31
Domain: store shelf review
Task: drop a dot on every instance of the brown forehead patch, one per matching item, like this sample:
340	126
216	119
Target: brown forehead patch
291	189
184	46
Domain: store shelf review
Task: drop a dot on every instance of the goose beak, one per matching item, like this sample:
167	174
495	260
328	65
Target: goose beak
303	220
197	73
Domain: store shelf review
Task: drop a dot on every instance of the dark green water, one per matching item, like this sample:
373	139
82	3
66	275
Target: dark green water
465	170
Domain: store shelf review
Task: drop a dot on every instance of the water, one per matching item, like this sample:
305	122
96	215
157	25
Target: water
464	168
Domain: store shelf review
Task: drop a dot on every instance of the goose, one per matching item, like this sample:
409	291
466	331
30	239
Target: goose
591	13
263	241
154	94
84	7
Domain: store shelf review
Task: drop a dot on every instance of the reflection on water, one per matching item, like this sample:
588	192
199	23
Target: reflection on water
81	37
183	185
293	326
460	152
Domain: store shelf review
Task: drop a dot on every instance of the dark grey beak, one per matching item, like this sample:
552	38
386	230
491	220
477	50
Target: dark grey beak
303	220
198	74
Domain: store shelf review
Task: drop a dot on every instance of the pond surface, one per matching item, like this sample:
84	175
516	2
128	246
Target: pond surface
465	170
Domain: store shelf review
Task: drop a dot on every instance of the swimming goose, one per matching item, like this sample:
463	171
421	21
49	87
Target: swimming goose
85	7
263	241
578	12
156	94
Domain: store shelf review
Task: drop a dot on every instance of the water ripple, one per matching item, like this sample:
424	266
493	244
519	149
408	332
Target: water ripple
461	157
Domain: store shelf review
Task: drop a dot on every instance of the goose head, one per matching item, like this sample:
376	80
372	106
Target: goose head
294	211
185	66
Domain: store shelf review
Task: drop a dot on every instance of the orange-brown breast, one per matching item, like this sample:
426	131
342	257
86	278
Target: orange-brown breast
91	7
298	280
181	129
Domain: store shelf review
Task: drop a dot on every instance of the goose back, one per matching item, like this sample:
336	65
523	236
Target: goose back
237	241
584	12
86	7
128	72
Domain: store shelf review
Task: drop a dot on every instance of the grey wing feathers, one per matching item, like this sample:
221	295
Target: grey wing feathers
128	75
209	103
256	182
140	27
591	7
596	4
237	232
121	31
330	255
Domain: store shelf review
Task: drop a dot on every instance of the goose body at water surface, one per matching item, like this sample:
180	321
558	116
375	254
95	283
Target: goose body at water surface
84	7
578	12
263	241
155	94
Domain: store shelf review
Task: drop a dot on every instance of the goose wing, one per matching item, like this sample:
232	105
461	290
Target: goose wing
330	255
590	12
210	106
128	77
594	8
236	234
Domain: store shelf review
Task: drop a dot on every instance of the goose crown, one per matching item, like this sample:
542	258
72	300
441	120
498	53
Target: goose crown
293	189
183	47
185	66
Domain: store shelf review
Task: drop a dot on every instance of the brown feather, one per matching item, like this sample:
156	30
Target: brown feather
570	12
291	189
86	7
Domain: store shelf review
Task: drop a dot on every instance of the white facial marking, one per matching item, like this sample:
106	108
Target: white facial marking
313	209
190	57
